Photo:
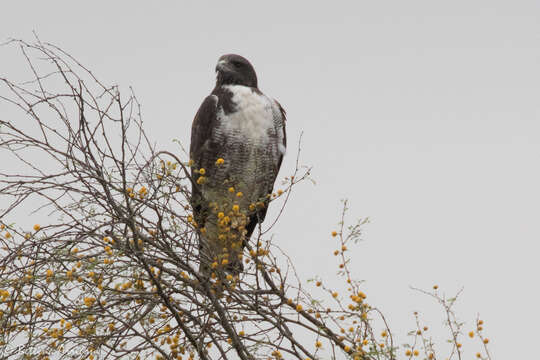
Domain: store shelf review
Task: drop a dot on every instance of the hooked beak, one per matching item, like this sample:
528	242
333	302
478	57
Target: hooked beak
222	65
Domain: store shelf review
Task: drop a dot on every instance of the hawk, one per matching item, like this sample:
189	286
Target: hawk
237	145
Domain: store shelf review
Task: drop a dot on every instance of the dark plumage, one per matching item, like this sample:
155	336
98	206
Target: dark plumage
238	138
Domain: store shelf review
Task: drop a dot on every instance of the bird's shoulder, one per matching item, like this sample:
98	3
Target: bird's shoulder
281	109
202	123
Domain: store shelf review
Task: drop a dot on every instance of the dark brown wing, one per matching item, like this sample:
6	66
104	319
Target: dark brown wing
201	129
200	151
284	120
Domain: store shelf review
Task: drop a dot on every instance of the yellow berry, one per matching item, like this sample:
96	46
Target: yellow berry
37	227
416	352
471	334
202	171
334	233
298	307
219	161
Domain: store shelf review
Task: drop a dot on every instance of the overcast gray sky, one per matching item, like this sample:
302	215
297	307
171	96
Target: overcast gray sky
424	114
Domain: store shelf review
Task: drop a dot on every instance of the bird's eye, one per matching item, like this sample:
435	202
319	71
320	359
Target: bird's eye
237	63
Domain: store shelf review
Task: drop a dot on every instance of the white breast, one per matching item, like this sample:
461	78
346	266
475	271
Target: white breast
253	118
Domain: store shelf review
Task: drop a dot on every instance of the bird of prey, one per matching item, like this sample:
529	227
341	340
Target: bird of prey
237	145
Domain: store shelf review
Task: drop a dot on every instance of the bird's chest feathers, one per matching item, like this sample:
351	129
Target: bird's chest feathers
252	116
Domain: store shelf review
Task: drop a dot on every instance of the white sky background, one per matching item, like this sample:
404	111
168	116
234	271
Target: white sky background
424	114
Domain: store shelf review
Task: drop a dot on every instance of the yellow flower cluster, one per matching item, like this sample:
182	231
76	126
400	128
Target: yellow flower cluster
89	301
409	353
166	168
143	192
191	221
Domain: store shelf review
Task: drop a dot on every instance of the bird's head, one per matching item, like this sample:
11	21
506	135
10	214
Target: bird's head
234	69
